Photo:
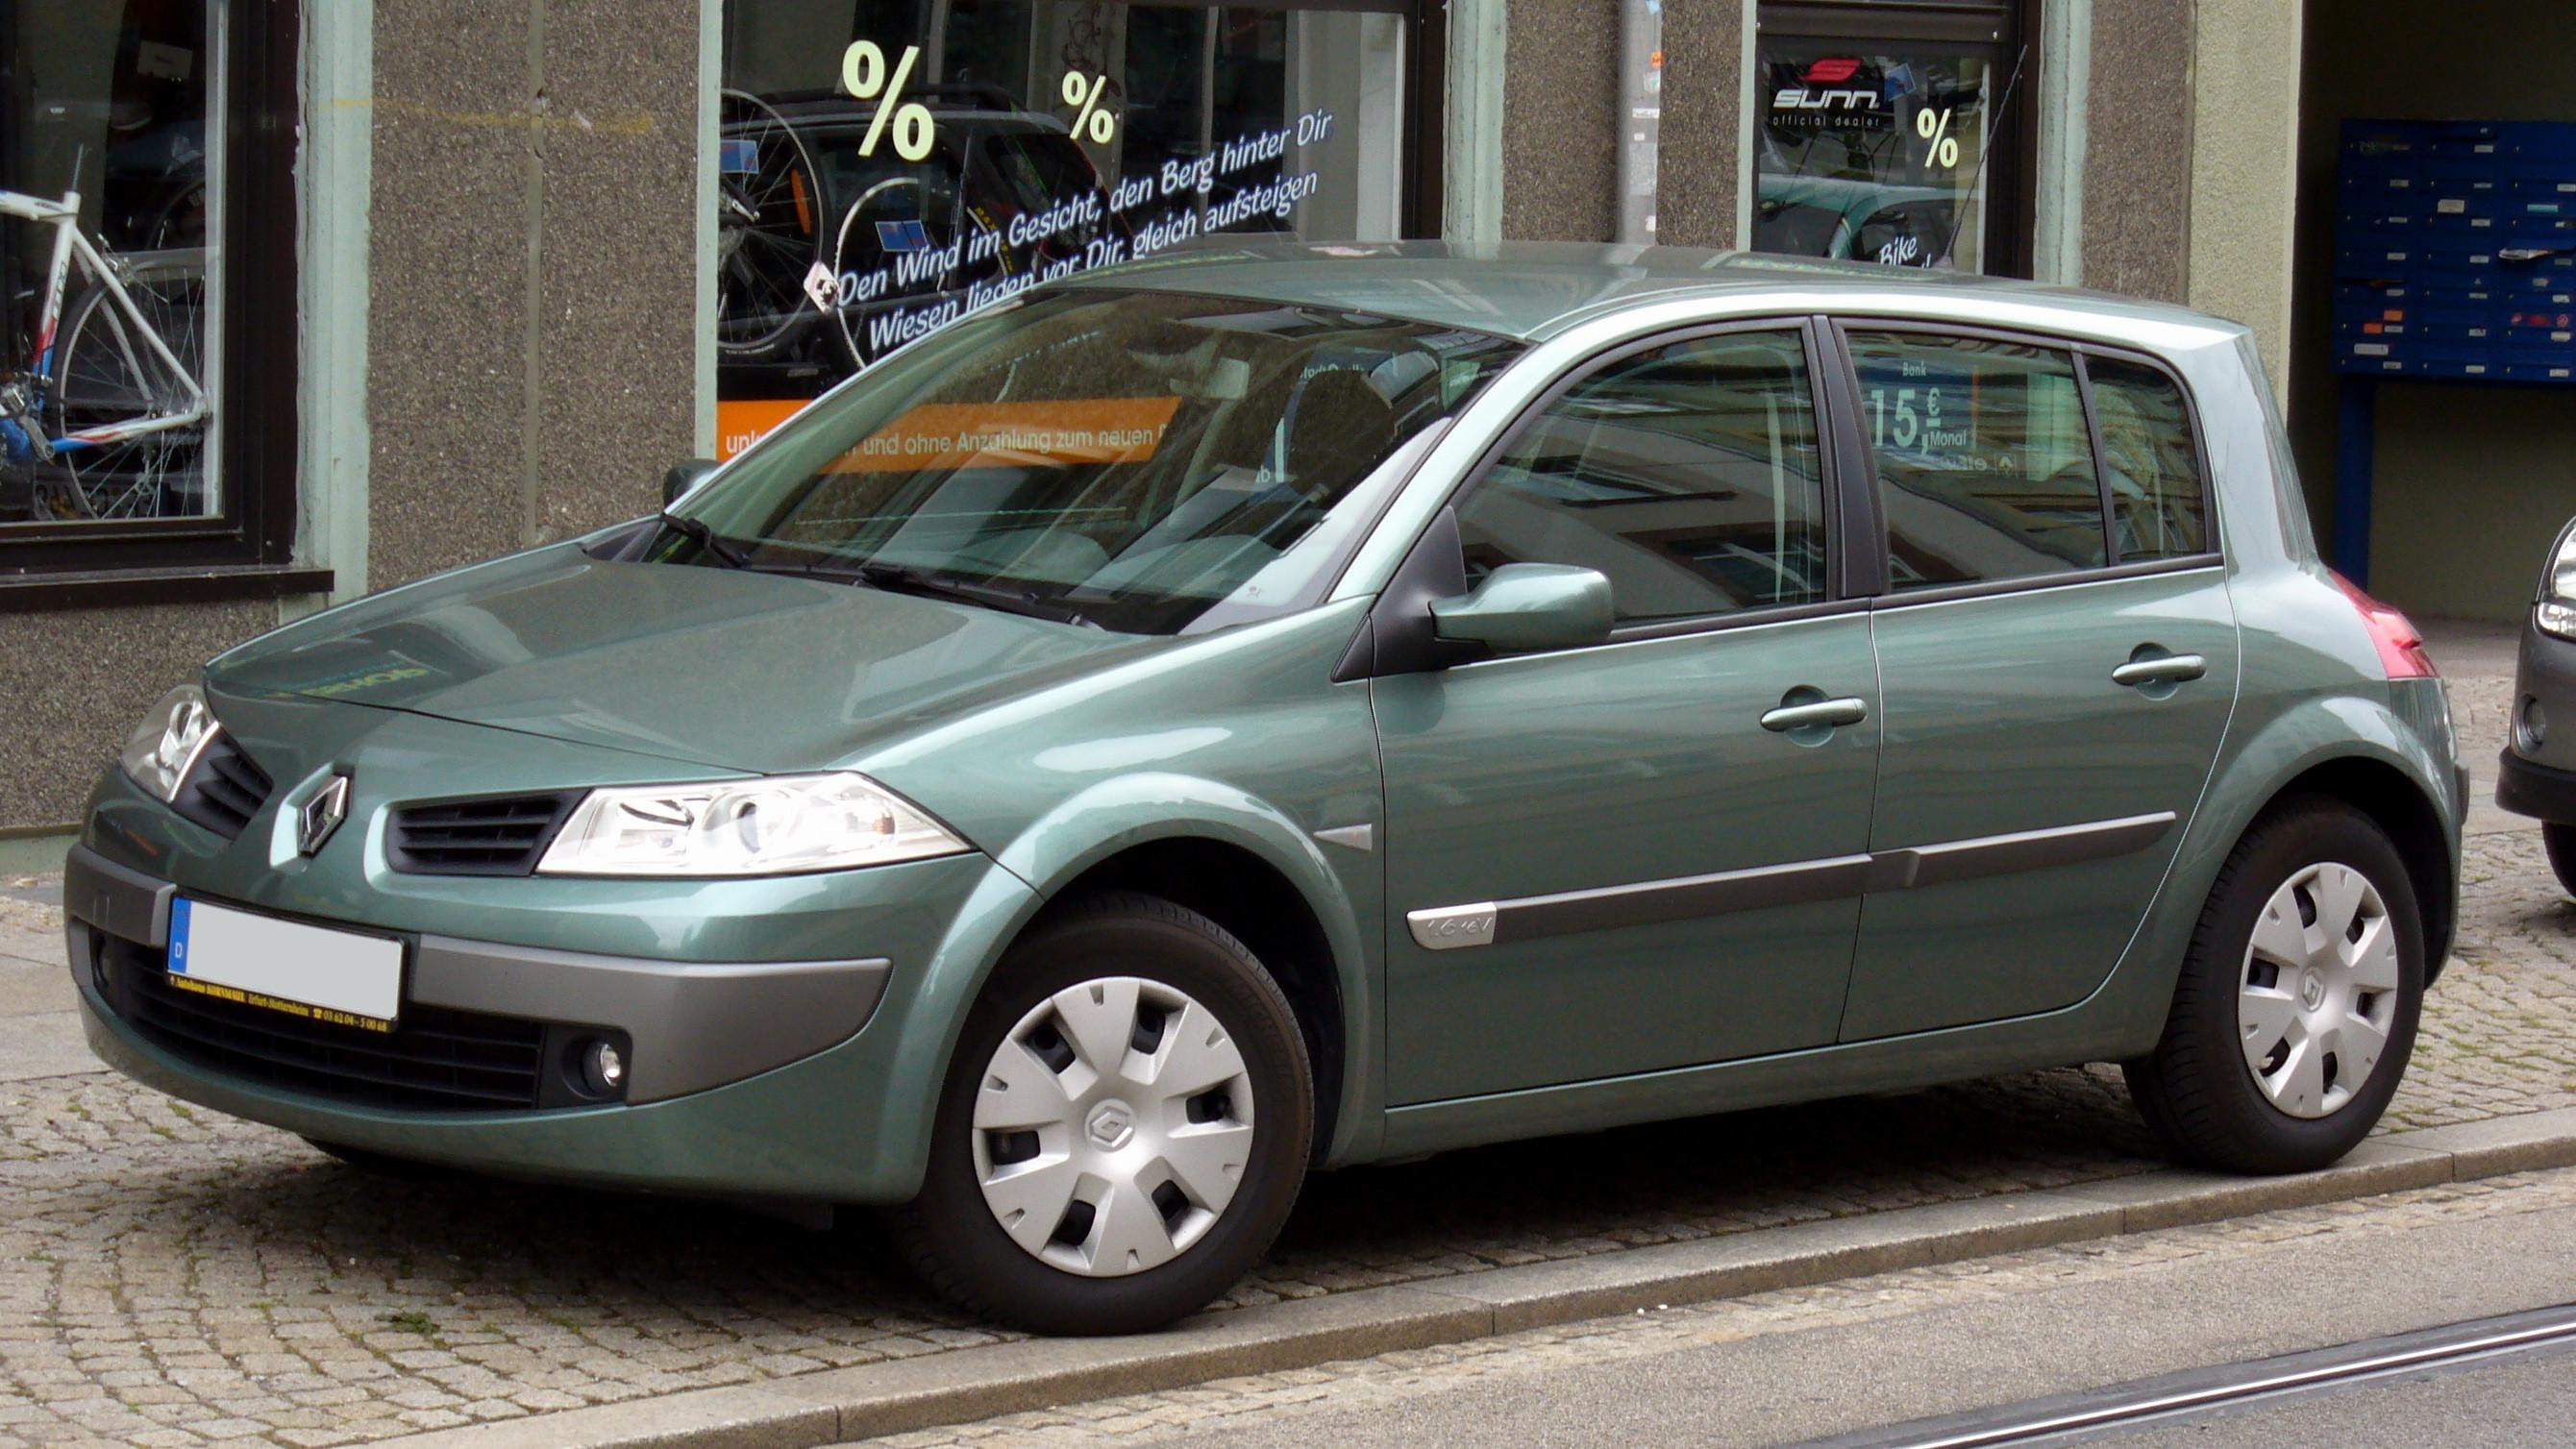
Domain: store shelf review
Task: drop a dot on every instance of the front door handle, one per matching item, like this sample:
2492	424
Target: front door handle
2165	669
1824	713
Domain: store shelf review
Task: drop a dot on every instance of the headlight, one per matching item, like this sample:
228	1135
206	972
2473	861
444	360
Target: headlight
162	748
773	826
2556	612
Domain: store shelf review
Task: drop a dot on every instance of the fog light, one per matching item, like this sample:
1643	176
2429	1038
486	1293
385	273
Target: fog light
603	1069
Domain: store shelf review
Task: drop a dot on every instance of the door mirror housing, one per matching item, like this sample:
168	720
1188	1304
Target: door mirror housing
1526	606
685	476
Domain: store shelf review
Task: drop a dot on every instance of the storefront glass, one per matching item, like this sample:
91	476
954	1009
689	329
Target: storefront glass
1875	150
886	166
107	387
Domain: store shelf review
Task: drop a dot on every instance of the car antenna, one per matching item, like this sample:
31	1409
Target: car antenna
1985	153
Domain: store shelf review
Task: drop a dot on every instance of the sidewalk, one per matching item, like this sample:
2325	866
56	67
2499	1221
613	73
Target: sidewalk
169	1275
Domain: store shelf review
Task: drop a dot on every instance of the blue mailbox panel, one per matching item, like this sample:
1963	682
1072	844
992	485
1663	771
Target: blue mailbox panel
2455	250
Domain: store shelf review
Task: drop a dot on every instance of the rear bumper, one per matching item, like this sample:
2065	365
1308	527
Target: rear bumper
2536	790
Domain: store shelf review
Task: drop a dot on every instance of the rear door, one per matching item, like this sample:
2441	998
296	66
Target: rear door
2058	658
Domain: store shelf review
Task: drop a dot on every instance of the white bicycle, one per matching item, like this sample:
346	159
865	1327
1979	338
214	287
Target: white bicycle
106	417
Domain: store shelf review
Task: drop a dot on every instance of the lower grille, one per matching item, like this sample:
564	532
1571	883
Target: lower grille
435	1060
502	836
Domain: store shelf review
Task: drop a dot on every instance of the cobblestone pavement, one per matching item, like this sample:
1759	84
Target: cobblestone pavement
1358	1385
173	1276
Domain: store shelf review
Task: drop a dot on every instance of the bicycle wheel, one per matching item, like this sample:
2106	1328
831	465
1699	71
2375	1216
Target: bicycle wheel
862	249
769	233
105	373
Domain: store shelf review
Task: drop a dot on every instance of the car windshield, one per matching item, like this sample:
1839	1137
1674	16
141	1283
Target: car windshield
1149	462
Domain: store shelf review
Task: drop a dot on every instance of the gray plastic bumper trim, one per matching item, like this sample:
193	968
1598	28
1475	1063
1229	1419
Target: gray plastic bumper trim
693	1025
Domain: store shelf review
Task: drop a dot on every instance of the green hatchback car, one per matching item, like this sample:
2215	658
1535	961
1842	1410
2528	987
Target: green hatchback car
1281	709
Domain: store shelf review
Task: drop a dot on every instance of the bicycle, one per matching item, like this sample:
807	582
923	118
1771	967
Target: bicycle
106	418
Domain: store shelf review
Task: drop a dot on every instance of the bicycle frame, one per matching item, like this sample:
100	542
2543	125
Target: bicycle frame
70	246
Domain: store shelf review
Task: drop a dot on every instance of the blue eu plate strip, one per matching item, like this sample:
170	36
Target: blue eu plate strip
179	911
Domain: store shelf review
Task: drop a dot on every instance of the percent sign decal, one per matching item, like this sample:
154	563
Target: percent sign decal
1087	109
1934	126
863	74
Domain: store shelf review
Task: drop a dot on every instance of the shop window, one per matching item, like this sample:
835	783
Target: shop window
1984	461
887	166
1886	132
132	172
1688	475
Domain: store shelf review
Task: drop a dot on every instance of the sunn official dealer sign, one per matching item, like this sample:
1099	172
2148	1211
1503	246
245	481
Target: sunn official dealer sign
1835	93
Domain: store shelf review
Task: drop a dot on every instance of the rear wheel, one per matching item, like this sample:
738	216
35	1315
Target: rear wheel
1124	1128
2296	1008
2561	843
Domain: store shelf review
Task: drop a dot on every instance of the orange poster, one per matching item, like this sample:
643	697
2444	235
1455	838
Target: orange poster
741	424
1015	435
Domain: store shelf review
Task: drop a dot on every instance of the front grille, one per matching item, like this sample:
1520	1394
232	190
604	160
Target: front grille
434	1060
224	788
501	836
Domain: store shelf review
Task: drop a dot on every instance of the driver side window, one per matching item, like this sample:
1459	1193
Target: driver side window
1688	475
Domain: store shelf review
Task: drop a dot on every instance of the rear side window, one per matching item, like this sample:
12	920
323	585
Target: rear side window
2158	508
1688	475
1985	464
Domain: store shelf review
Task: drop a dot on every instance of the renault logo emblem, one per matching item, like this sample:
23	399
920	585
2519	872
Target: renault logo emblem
321	815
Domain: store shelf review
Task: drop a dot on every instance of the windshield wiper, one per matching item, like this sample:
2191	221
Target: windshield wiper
901	579
705	538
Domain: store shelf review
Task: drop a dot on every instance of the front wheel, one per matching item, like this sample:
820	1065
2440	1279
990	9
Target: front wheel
1124	1127
2296	1008
2560	841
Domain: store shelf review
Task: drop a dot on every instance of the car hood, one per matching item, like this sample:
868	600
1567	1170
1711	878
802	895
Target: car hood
743	671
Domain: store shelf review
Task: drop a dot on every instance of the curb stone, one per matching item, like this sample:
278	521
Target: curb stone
836	1405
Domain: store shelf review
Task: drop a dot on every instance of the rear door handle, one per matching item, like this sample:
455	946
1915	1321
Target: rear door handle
1827	712
2170	669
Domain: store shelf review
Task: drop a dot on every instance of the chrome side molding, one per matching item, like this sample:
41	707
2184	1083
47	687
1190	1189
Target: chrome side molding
1654	902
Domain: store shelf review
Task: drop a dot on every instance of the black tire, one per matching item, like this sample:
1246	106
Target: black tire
2196	1090
2560	841
951	1237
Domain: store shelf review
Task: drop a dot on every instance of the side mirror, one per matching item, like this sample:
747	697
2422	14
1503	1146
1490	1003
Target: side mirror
1527	606
685	476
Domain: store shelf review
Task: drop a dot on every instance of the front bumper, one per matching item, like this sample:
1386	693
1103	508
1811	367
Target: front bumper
811	1077
687	1026
2527	788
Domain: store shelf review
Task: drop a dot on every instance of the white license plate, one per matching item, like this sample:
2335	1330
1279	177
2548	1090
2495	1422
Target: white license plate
313	972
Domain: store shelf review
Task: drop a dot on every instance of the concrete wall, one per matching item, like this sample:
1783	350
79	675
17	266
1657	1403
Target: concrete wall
73	684
2471	481
2137	149
1561	122
2244	104
533	265
1699	172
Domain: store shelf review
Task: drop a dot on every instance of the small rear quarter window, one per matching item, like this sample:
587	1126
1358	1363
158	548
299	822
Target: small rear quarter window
2159	507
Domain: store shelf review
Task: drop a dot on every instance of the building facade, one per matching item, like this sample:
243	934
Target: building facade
354	292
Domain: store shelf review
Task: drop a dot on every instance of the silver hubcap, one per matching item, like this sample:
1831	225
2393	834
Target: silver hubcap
2319	991
1113	1125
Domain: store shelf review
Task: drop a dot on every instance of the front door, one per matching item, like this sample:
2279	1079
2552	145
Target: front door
2059	657
1623	858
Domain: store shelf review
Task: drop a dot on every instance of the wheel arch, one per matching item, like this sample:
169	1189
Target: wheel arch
2403	811
1216	849
2362	753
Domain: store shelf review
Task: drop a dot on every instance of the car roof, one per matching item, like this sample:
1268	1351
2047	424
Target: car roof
1535	290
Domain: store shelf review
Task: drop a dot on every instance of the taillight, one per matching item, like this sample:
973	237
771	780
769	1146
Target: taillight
2401	644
